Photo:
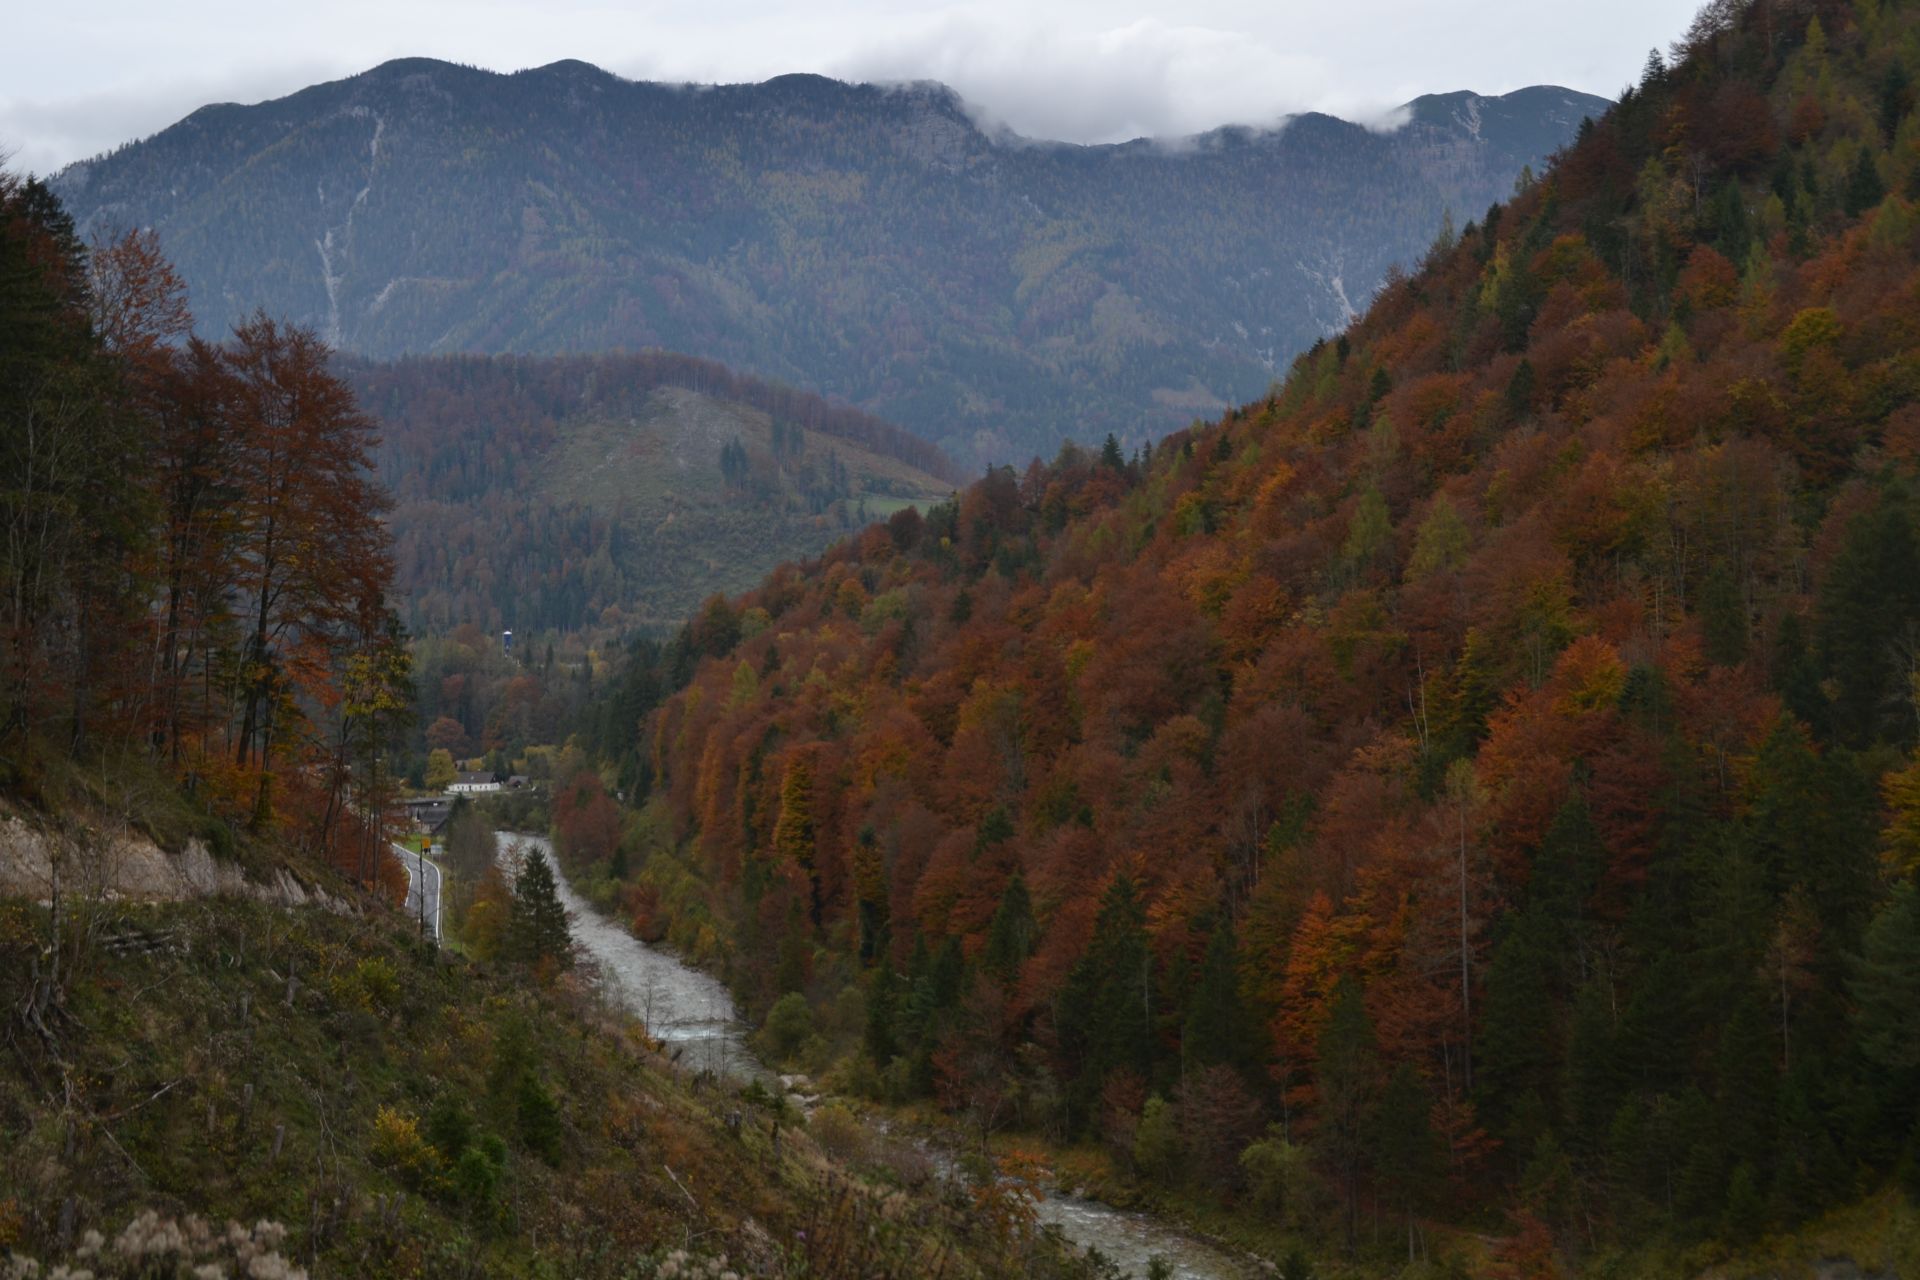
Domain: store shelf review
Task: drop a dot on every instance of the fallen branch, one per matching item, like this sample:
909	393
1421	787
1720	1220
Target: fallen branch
683	1187
153	1097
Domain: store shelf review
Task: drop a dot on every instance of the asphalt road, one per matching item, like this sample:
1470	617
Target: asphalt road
415	865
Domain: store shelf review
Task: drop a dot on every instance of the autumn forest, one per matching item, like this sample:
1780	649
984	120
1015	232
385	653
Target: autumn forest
194	559
1479	775
1456	814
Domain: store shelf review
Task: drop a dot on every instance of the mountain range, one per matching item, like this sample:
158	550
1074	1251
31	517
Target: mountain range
993	293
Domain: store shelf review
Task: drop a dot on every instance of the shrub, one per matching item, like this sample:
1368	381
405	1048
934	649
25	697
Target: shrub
398	1145
370	986
838	1132
897	1082
681	1265
449	1127
539	1117
153	1246
1156	1143
219	838
907	1165
1280	1177
789	1023
1295	1266
481	1168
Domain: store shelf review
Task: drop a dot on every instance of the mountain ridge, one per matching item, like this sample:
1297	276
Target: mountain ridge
935	92
873	243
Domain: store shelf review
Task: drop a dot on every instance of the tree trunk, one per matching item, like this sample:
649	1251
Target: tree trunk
1466	975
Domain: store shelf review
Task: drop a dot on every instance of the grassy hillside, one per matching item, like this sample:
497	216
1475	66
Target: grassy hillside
664	459
397	1111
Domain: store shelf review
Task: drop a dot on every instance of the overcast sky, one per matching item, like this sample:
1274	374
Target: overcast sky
76	79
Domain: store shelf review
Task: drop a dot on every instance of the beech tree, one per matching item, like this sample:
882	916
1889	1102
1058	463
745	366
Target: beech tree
193	451
308	548
191	560
376	706
1218	1030
1886	992
137	300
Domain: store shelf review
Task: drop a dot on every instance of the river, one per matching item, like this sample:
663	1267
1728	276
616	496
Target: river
692	1013
688	1011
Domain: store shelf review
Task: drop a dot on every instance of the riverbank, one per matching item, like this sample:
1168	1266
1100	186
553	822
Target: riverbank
692	1013
1133	1222
1080	1194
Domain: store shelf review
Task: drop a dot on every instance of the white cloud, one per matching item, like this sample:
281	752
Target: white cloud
1147	78
81	79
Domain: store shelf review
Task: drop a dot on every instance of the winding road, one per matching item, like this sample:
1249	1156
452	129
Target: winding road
419	867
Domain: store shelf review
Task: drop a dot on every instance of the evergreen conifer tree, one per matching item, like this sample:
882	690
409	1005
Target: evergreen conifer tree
1591	1081
1218	1031
1011	936
882	996
1723	618
1865	190
1404	1151
1517	1049
1886	997
537	928
1871	599
1103	1019
1345	1086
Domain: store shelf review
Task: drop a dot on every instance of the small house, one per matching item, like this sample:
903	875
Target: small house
430	815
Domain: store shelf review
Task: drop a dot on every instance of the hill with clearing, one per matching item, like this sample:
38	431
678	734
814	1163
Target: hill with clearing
611	494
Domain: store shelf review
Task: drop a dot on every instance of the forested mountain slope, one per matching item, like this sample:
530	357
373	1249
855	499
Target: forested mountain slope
991	293
597	495
203	693
1474	784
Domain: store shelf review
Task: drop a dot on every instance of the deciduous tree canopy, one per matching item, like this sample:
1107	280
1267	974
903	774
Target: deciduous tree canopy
1514	702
